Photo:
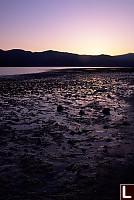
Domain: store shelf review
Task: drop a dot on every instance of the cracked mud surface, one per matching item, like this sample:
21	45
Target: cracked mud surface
78	153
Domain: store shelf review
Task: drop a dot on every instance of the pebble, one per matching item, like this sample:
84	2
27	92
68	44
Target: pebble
106	111
59	108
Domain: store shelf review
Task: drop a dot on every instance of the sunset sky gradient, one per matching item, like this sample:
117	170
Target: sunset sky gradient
77	26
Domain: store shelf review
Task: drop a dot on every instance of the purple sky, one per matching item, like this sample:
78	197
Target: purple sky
78	26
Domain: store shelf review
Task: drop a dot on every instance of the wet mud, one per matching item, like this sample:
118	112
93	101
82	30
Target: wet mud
66	134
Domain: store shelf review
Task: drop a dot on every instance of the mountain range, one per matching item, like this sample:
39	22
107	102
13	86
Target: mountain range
22	58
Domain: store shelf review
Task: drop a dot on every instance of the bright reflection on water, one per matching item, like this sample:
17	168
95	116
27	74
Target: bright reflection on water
29	70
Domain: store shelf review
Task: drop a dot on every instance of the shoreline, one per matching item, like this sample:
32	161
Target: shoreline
53	69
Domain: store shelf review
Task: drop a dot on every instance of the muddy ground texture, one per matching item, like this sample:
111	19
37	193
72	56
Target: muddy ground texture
81	151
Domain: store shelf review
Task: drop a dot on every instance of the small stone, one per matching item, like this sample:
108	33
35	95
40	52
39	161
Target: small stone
125	123
106	111
108	140
71	142
59	108
81	112
105	148
108	96
105	127
72	133
83	150
85	166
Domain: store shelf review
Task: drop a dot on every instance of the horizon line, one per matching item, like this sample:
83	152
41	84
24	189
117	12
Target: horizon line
66	52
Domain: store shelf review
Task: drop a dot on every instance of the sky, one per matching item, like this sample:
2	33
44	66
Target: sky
89	27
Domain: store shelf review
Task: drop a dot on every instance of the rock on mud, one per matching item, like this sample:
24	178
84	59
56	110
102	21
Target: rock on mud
59	108
82	112
106	111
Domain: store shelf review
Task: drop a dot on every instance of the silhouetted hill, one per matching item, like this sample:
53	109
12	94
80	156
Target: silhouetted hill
129	56
19	57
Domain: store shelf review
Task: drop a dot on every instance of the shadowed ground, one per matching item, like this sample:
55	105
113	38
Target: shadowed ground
78	153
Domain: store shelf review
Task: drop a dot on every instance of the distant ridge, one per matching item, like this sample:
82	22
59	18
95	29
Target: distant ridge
22	58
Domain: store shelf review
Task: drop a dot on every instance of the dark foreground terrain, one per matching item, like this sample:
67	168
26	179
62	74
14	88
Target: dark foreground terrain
83	152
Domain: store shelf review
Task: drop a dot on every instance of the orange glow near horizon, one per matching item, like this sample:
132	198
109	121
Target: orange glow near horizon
81	27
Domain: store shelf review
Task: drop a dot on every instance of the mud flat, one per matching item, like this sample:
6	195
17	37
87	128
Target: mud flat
82	149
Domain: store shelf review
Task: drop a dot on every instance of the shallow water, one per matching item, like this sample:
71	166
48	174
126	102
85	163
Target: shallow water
30	70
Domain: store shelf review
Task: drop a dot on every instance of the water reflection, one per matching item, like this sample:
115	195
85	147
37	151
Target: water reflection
29	70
